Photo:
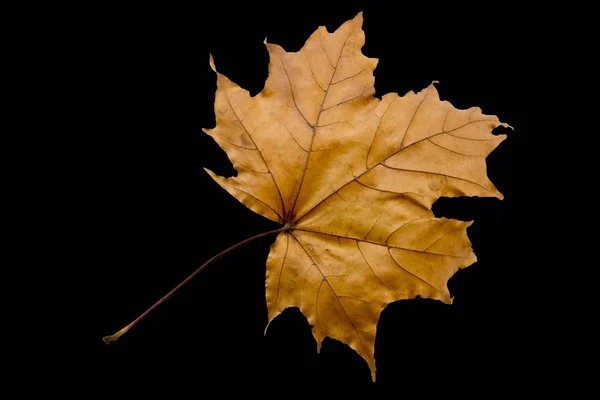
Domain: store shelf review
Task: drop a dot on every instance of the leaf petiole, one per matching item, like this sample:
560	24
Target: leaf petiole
112	338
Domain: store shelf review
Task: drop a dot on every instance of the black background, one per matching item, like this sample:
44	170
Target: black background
152	215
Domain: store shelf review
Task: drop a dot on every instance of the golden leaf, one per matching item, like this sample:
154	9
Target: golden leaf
353	178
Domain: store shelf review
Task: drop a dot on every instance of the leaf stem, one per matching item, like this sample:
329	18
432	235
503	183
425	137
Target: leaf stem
112	338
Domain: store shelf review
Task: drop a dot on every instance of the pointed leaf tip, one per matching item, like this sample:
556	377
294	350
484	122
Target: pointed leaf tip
358	19
211	62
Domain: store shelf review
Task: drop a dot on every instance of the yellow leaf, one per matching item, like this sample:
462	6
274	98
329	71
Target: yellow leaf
353	178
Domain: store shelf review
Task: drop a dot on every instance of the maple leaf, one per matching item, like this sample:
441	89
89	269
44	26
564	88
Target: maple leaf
353	178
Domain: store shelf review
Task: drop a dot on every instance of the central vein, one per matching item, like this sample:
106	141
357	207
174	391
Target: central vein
315	125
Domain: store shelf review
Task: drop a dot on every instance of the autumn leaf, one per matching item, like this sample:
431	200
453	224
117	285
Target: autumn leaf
352	178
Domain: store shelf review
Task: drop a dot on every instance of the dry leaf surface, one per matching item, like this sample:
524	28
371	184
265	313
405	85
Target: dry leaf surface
354	177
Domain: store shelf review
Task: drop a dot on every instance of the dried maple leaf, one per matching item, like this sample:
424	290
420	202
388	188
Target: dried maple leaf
353	178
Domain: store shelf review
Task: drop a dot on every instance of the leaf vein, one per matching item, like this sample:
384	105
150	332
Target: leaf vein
350	77
373	271
256	198
312	139
416	276
287	243
391	246
261	156
452	151
439	174
385	159
335	295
